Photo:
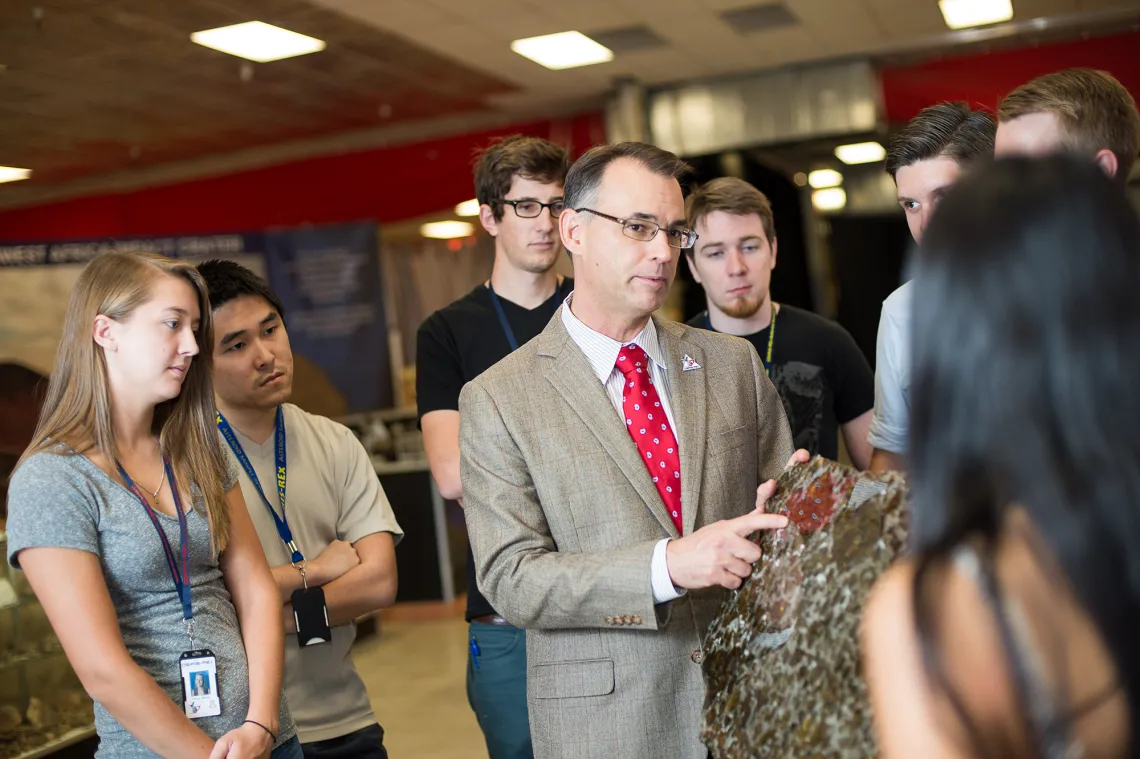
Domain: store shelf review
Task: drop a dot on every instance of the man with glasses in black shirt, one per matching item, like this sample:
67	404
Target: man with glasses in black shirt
518	182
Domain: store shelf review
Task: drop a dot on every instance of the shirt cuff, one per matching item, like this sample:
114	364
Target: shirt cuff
887	437
663	588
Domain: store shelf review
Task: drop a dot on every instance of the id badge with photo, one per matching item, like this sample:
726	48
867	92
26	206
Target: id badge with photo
311	616
201	691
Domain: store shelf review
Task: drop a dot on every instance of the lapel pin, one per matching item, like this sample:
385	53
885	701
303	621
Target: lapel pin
688	364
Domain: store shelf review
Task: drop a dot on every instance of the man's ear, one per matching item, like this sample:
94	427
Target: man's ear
693	266
775	241
1108	162
488	220
570	224
103	330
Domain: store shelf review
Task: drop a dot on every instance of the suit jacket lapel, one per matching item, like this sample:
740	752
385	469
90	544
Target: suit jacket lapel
688	396
573	377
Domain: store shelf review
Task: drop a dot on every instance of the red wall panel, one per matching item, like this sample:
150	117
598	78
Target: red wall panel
386	184
982	80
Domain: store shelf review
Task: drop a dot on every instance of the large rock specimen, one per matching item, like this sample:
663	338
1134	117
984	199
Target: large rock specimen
782	659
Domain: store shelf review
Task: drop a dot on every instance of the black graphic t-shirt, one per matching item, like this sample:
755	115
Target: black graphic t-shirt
458	343
823	378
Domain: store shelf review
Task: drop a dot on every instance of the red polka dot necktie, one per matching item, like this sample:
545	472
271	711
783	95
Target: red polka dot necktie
649	427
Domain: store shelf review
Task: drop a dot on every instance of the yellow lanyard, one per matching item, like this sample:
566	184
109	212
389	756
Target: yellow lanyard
771	339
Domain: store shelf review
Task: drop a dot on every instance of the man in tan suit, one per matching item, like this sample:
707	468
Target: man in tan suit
610	469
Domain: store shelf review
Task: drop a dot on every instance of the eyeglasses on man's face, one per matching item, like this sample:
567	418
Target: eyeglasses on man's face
531	209
644	231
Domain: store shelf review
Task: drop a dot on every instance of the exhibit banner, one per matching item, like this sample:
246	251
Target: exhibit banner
327	277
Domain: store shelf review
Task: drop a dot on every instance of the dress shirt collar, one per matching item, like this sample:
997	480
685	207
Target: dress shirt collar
602	351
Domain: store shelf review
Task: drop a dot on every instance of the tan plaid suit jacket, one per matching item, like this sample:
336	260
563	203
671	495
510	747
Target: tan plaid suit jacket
563	518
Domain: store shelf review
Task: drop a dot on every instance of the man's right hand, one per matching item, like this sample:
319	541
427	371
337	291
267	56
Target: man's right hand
333	563
719	553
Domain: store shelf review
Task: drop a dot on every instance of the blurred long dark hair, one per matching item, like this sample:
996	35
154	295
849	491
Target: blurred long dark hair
1026	391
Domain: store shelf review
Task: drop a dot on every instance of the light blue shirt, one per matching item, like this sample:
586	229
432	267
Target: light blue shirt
892	374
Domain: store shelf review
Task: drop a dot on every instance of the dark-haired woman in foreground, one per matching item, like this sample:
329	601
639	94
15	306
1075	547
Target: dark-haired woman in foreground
1013	630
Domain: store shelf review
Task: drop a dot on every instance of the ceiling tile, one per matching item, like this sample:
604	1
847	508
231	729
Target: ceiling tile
1104	5
1027	9
902	19
727	5
757	18
829	19
522	23
591	14
392	14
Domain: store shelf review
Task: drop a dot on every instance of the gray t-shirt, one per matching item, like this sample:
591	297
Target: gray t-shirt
331	493
66	501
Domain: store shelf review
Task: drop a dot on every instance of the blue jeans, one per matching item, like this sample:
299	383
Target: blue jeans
366	743
496	688
290	749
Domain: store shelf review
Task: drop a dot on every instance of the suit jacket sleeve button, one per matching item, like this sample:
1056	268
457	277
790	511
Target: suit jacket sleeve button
637	620
697	656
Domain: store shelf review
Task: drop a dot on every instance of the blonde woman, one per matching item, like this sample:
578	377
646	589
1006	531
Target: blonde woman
128	523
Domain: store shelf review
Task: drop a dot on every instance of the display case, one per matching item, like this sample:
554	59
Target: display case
43	707
431	557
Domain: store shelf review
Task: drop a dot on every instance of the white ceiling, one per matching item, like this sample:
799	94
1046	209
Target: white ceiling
700	44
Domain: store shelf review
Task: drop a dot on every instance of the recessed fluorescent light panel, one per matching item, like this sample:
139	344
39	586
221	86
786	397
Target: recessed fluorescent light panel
830	199
257	41
12	174
821	178
565	50
860	152
962	14
468	208
447	230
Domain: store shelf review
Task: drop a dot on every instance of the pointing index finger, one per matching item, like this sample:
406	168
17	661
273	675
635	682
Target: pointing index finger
750	523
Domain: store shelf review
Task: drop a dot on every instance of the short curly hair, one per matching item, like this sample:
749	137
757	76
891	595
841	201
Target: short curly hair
499	163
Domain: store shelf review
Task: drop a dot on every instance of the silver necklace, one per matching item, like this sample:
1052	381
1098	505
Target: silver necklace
161	482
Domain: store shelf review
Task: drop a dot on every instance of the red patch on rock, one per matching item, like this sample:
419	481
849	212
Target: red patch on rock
812	508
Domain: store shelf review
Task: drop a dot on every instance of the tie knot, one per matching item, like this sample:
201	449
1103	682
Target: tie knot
632	360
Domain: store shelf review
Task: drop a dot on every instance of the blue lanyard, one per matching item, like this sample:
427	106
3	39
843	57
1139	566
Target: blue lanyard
180	574
282	521
510	333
